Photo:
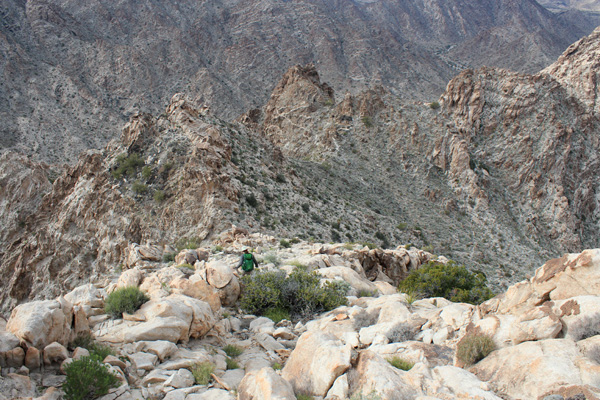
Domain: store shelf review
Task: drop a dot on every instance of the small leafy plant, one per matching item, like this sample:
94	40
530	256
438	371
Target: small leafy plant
233	350
127	299
231	363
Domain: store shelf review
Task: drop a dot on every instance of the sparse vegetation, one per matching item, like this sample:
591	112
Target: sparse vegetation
474	348
451	281
146	172
302	396
159	196
400	363
367	121
367	293
300	293
96	349
139	187
88	378
186	266
231	363
202	372
271	258
434	105
232	350
277	314
285	244
277	366
401	332
127	165
187	243
251	200
169	257
127	299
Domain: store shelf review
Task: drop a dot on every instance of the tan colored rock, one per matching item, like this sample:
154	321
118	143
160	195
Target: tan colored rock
55	353
143	361
374	374
114	361
131	277
350	276
33	358
181	379
461	383
81	325
162	348
15	357
198	288
532	370
316	362
86	295
230	293
80	352
265	384
15	386
186	257
218	274
41	322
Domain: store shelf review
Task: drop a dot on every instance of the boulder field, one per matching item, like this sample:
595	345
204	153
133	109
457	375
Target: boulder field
545	331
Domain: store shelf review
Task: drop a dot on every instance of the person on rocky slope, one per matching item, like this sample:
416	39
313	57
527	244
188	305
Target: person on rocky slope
247	262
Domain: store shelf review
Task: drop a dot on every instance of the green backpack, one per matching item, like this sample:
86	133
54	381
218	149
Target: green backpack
248	264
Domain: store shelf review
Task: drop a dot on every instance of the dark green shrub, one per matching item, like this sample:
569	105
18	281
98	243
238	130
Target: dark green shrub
88	378
251	200
127	299
187	243
451	281
474	348
277	314
434	105
231	363
169	257
232	350
367	121
139	187
401	363
277	366
127	165
159	196
146	172
285	244
300	293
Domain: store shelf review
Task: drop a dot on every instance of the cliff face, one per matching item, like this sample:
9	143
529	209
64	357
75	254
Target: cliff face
71	72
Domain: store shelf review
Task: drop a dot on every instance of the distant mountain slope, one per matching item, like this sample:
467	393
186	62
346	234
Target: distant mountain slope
500	175
561	5
71	72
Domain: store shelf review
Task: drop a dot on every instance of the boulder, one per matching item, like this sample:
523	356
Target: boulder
186	257
15	386
218	274
131	277
181	379
316	362
55	353
143	361
230	293
162	348
358	283
33	358
197	288
211	394
533	370
80	352
461	383
265	384
86	295
15	358
374	374
40	323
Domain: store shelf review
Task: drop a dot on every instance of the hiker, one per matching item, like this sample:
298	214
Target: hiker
247	261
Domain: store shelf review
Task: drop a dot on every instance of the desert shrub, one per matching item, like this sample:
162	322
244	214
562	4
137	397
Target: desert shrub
400	363
277	314
371	396
251	200
232	350
146	172
401	332
402	226
363	318
127	299
285	244
88	378
367	121
139	187
300	293
303	396
187	266
202	372
169	257
474	348
585	327
127	165
277	366
187	243
271	258
367	293
231	363
451	281
87	341
434	105
159	196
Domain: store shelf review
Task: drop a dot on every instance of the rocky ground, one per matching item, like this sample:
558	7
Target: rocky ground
544	328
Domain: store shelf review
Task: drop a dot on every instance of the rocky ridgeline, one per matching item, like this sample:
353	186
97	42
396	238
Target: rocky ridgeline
544	328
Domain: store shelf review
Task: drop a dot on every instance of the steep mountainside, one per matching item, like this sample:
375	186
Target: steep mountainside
501	175
561	5
72	71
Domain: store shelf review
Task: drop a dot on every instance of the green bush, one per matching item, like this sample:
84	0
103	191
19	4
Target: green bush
367	121
277	366
127	165
127	299
271	258
86	341
277	314
434	105
169	257
187	266
231	363
401	363
300	293
303	396
146	172
159	196
202	372
473	348
88	378
187	243
251	200
451	281
367	293
232	350
139	187
285	244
